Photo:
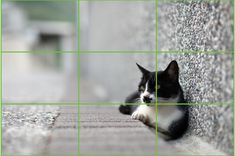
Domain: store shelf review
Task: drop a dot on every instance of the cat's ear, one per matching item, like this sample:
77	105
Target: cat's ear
173	70
143	70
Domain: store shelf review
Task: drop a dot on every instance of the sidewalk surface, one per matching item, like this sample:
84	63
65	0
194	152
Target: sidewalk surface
105	131
64	137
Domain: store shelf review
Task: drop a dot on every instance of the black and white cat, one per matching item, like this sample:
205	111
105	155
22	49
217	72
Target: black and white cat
172	120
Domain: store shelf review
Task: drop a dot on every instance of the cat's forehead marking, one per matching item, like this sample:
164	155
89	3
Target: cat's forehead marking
146	88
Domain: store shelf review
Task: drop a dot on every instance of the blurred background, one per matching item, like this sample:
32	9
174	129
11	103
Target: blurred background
115	26
42	31
37	78
39	26
39	69
110	78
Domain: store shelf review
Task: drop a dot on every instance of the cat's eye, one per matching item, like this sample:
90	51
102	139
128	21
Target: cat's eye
158	86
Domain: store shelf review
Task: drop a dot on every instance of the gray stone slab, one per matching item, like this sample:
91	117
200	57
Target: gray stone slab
64	136
105	131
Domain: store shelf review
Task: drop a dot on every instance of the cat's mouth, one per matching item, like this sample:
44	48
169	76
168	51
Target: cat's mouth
148	99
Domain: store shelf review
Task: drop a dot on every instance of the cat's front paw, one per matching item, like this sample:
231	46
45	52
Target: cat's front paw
146	114
138	115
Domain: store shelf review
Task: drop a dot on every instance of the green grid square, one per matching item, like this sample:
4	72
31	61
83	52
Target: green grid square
51	78
105	20
44	26
190	26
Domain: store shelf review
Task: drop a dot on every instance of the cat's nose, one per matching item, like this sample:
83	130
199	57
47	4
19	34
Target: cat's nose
147	99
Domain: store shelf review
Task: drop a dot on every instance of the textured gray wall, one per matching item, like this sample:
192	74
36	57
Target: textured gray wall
195	26
204	77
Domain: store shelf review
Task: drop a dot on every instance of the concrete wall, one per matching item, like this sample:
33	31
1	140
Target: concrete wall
195	26
204	77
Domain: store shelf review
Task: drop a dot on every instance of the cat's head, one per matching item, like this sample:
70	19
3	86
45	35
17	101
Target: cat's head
168	87
147	86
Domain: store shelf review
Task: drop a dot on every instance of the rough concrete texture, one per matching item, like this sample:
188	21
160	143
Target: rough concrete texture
40	130
188	145
205	78
213	124
25	129
194	25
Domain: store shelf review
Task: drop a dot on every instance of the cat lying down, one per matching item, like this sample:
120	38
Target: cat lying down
172	120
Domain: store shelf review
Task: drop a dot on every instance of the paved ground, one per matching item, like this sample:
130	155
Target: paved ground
53	130
105	131
64	136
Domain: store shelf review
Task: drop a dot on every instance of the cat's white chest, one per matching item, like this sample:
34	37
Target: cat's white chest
166	115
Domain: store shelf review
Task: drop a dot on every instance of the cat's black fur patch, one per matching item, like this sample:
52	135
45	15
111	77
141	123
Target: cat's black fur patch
168	80
179	127
129	109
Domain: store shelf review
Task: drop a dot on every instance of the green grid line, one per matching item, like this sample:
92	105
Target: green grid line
154	52
233	76
194	155
1	78
196	52
156	64
128	155
39	104
117	0
39	0
38	52
158	103
78	70
122	52
82	0
80	52
194	1
36	155
160	1
105	154
114	104
117	52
